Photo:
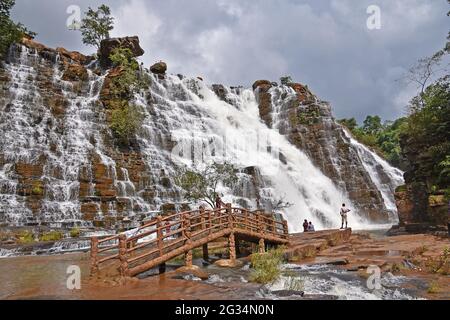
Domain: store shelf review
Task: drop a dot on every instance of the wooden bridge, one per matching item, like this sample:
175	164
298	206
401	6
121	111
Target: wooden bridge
167	237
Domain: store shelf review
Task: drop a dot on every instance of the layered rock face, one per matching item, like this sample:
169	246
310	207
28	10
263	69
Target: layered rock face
60	164
309	124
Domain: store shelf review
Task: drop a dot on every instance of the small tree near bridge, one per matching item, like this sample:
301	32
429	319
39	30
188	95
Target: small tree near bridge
200	184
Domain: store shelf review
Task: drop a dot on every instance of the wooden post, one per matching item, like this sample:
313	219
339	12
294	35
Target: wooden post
230	216
262	246
187	234
285	228
202	217
188	258
94	254
209	222
124	271
159	234
232	247
205	252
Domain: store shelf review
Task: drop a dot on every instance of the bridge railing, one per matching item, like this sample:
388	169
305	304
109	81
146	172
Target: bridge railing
165	237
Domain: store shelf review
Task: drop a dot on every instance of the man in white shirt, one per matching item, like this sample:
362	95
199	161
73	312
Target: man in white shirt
344	212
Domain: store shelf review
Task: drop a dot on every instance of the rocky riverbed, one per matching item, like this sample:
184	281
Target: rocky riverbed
411	266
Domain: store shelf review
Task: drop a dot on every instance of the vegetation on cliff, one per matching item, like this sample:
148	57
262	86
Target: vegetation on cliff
10	31
126	119
382	137
96	25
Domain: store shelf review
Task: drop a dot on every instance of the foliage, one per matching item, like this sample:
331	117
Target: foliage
96	25
200	184
10	32
26	237
37	190
427	133
384	138
294	283
75	232
434	288
126	121
267	266
124	85
51	236
125	118
440	264
286	80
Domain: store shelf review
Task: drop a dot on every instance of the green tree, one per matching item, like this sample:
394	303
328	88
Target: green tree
351	123
426	138
10	32
372	125
96	25
200	184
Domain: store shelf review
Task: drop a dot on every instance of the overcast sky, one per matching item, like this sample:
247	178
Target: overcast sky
325	44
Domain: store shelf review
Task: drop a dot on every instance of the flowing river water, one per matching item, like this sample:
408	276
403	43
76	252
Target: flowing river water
45	277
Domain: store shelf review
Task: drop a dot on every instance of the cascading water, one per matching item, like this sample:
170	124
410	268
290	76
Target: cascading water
386	177
185	123
223	132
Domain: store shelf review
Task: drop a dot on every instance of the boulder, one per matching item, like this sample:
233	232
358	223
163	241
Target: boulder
159	68
107	46
194	271
227	263
75	72
262	83
74	56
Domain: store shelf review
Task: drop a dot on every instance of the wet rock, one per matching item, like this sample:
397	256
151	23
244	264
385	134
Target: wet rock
226	263
288	293
159	68
193	271
75	72
75	56
265	84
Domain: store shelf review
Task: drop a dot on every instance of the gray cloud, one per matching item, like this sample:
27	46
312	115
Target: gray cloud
324	44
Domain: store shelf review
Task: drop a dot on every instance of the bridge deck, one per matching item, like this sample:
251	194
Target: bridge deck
165	238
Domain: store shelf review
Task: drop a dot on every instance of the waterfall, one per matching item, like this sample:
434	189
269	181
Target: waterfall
185	123
385	177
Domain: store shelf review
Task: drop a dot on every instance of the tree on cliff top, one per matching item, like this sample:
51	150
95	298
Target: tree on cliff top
10	32
200	184
96	26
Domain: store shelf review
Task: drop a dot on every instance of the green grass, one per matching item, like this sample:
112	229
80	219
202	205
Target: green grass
267	266
26	237
434	288
51	236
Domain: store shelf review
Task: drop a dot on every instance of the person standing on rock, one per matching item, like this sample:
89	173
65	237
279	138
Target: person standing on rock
344	212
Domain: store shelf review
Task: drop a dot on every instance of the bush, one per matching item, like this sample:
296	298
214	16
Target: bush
434	288
75	233
267	266
10	32
26	237
440	264
37	190
51	236
125	121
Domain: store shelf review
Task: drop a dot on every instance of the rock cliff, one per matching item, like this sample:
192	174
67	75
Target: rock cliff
60	165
